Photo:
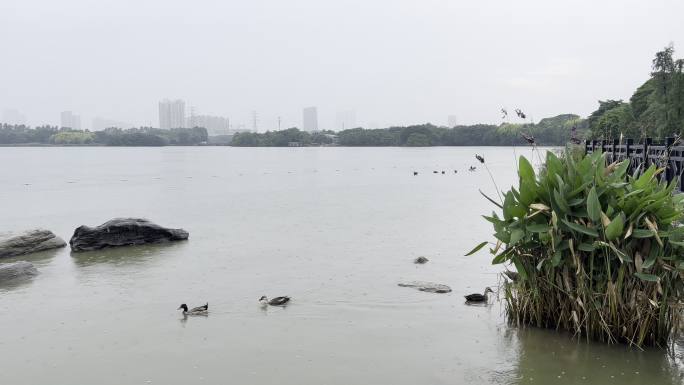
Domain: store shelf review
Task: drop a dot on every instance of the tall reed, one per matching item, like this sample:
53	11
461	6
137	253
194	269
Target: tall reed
598	252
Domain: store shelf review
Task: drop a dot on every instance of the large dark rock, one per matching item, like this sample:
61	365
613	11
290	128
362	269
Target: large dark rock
17	269
28	242
123	232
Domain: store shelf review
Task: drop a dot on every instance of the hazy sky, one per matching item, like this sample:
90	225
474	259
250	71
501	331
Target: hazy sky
392	61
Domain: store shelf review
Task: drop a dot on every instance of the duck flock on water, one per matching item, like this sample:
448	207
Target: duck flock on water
204	309
282	301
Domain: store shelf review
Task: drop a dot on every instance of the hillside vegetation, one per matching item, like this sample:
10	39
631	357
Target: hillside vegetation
656	109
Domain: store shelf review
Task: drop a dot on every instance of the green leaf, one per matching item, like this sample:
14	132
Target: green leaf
516	235
525	170
642	233
615	227
528	192
631	193
593	206
556	259
560	201
575	202
520	268
538	228
621	169
645	178
648	263
477	248
586	247
501	258
580	228
647	277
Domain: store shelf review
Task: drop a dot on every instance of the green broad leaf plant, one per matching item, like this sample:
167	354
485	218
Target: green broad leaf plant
599	251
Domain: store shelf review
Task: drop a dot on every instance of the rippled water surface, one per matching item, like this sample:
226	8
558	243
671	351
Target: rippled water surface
334	228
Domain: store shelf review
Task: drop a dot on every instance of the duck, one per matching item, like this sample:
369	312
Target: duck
199	310
477	297
277	301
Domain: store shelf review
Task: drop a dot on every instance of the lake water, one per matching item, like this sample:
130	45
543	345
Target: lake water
334	228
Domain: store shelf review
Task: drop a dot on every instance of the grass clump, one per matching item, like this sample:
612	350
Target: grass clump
598	251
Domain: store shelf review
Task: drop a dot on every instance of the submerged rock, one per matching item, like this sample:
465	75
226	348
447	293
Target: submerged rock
16	270
421	260
123	232
429	287
28	242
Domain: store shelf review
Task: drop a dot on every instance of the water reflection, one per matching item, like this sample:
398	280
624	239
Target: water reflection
546	356
16	282
39	260
184	317
129	255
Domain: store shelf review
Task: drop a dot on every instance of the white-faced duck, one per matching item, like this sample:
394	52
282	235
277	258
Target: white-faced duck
477	297
277	301
199	310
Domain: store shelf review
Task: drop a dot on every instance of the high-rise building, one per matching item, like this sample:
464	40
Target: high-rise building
310	119
171	114
345	120
215	125
70	120
12	116
452	121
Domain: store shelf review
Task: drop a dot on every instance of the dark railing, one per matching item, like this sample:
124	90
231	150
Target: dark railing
669	155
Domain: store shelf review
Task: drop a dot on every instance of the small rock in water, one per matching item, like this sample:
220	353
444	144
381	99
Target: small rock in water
429	287
17	269
28	242
420	260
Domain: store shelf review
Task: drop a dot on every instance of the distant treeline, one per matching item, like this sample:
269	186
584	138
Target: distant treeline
554	131
144	136
655	110
281	138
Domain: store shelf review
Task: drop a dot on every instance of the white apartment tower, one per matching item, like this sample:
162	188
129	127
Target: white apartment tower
70	120
452	121
171	114
310	119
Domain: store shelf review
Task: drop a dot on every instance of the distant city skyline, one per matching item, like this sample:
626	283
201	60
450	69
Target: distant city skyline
118	59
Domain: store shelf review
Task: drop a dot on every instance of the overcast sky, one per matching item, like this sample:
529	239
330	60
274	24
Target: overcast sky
394	62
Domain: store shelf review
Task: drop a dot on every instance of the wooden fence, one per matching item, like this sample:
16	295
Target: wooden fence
669	155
